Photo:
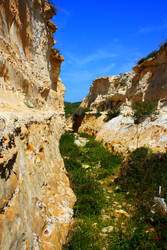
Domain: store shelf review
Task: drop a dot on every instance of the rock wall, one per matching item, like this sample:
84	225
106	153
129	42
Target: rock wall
35	196
148	82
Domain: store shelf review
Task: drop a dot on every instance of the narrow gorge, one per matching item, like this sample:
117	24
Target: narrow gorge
92	174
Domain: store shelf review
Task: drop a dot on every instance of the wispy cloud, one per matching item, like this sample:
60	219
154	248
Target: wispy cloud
65	12
151	29
99	55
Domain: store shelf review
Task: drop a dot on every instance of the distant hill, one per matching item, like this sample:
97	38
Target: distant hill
70	107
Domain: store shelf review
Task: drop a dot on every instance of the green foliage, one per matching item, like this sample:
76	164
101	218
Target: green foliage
98	114
142	110
70	108
67	146
90	194
151	55
113	112
136	185
84	237
141	177
85	135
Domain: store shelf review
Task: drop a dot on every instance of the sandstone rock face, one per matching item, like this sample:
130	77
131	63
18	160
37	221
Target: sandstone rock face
148	82
35	196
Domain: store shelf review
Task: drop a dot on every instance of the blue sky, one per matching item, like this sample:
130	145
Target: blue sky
102	38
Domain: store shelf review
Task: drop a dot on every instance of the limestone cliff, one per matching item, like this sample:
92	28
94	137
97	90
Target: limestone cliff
148	82
35	197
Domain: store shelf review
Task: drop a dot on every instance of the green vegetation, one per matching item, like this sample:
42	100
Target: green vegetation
120	198
113	112
70	107
140	178
142	110
91	198
151	55
98	114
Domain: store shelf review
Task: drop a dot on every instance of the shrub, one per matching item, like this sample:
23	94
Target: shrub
114	112
151	55
98	114
142	110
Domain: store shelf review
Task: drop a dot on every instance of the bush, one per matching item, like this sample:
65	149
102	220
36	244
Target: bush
98	114
142	110
151	55
114	112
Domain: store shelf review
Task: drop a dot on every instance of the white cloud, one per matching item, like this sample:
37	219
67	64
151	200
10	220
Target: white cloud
100	54
151	29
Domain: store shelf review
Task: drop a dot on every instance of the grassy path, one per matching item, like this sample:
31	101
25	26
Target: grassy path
109	213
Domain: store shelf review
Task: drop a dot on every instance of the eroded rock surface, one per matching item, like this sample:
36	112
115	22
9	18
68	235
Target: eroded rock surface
148	82
35	197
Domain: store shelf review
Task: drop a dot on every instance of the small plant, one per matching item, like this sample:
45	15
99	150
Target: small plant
98	114
151	55
113	112
142	110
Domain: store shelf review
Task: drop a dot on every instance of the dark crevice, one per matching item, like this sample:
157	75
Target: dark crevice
5	172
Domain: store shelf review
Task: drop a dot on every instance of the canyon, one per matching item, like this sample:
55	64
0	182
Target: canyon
146	84
35	196
36	200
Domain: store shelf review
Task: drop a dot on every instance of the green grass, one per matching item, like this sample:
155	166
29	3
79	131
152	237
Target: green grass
142	110
91	197
107	186
141	178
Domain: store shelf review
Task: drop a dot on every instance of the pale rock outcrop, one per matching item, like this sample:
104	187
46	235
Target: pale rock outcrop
148	82
35	196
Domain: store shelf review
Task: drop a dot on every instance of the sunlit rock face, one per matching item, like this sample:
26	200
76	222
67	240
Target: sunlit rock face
148	82
35	197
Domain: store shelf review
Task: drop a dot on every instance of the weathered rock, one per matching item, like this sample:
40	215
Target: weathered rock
35	196
148	82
